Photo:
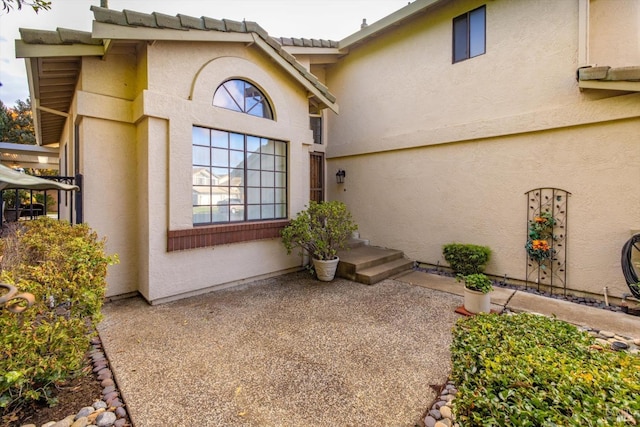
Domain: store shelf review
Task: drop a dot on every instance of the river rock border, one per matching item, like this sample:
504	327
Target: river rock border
109	411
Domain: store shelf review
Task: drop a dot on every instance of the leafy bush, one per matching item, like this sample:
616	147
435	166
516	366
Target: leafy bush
320	230
530	370
64	267
477	282
466	259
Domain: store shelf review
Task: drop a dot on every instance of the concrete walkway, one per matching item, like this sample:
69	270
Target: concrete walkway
292	351
517	301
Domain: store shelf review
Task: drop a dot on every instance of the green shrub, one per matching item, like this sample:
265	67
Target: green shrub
530	370
320	230
64	267
477	282
466	259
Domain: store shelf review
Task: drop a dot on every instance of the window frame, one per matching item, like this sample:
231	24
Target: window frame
316	124
224	91
469	30
246	192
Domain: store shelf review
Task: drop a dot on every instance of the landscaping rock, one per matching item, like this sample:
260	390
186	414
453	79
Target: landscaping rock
65	422
100	404
106	419
80	422
445	411
84	412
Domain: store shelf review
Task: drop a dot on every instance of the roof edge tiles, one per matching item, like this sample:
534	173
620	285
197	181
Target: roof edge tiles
77	37
108	16
213	24
191	23
606	73
60	36
234	26
168	21
185	22
40	36
139	19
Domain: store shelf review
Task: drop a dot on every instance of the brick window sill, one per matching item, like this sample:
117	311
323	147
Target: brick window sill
213	235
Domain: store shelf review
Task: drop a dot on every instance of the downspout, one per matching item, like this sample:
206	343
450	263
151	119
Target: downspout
583	33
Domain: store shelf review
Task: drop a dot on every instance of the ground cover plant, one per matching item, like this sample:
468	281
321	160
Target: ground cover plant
530	370
65	268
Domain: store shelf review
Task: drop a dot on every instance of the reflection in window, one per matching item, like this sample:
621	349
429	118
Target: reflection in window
469	31
237	177
242	96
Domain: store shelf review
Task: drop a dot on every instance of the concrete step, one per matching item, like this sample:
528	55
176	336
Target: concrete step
376	263
356	243
375	274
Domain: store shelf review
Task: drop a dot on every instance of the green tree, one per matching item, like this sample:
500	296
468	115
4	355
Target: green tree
36	5
16	123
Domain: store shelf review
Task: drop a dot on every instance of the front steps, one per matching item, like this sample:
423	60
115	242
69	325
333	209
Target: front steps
371	264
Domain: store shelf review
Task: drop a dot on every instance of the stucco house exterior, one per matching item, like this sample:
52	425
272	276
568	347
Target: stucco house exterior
199	138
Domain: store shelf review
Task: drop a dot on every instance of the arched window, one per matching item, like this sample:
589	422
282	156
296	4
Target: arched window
242	96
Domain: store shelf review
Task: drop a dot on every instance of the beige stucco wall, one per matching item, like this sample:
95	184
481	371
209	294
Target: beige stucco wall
109	194
404	81
135	113
614	29
181	87
444	152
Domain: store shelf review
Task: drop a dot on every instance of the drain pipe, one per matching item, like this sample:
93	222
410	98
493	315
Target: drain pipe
606	295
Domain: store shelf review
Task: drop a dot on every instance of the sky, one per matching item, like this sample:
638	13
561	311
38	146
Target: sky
319	19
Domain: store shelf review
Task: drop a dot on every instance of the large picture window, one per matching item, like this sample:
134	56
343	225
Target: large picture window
237	177
469	35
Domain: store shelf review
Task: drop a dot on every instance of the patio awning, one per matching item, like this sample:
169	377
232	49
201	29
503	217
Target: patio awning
10	179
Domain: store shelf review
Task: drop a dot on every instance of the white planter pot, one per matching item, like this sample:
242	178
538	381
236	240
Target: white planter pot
326	270
476	302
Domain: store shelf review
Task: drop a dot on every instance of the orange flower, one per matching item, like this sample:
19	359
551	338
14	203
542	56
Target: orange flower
539	219
540	245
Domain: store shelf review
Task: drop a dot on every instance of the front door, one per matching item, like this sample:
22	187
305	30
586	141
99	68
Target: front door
316	168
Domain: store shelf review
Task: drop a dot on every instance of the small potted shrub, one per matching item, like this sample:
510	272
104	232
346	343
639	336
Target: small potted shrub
476	293
320	231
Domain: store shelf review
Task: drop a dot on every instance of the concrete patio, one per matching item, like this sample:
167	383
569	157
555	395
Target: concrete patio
288	351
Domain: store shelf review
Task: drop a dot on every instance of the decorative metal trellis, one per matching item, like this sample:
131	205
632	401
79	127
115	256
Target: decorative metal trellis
550	268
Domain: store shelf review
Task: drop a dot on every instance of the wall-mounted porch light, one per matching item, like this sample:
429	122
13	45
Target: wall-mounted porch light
340	176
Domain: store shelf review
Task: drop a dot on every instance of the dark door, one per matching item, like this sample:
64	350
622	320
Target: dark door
316	168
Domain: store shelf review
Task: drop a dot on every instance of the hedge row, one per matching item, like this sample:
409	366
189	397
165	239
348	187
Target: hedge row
530	370
65	268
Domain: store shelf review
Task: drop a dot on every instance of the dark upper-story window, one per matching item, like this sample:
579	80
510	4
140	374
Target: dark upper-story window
242	96
469	34
315	122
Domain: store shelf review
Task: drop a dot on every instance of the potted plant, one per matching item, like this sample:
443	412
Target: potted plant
476	293
320	231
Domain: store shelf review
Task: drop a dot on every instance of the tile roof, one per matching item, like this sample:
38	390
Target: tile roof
184	22
63	36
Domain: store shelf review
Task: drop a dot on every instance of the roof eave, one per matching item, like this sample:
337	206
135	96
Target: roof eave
297	74
24	50
103	30
385	23
626	86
